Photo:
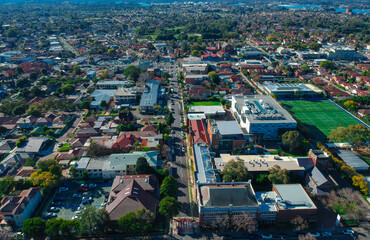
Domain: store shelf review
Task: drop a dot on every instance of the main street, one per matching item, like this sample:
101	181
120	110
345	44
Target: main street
177	157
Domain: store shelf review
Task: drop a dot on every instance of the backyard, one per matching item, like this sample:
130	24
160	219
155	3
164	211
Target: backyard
319	116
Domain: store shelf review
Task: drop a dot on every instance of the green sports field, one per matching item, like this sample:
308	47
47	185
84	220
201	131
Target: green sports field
319	116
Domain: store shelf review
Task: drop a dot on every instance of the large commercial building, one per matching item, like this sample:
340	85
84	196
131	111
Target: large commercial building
292	90
261	116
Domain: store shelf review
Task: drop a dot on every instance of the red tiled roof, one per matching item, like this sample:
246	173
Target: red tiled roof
199	132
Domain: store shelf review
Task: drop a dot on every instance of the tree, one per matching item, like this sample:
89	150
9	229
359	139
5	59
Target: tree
305	68
132	72
169	186
169	207
235	170
69	228
292	140
3	130
139	222
53	227
307	236
327	64
68	89
350	105
314	46
33	76
21	141
170	119
360	182
18	110
73	172
278	175
46	164
34	227
22	83
111	51
85	175
141	166
44	71
357	135
103	104
104	223
165	137
76	69
44	179
162	174
88	220
214	77
299	223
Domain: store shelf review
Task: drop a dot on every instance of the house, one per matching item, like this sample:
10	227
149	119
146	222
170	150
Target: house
6	146
19	208
226	201
132	193
17	159
26	122
199	92
87	132
363	112
198	132
33	145
320	184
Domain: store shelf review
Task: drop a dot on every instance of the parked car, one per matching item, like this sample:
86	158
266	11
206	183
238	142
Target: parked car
315	234
183	149
76	195
54	209
80	208
87	198
87	201
81	189
63	189
78	212
56	203
326	234
348	231
266	235
50	215
75	217
84	185
92	185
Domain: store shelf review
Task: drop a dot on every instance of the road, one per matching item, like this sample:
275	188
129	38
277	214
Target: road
68	46
178	159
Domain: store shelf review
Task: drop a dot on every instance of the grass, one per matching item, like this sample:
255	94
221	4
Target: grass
65	147
205	103
319	116
175	28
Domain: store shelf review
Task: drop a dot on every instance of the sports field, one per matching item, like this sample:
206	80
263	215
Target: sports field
319	116
205	103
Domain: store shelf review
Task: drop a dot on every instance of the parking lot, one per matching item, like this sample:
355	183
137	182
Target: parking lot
70	198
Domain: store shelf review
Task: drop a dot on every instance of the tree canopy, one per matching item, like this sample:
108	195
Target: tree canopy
132	72
292	140
235	170
357	135
169	186
34	227
278	175
169	207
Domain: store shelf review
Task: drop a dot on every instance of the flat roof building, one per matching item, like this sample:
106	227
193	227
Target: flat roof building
292	90
214	111
261	116
149	97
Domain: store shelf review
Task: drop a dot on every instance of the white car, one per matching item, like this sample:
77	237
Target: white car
315	234
78	212
326	234
183	149
80	208
74	218
103	204
348	232
266	235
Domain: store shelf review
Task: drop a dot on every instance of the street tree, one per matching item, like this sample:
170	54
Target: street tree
169	207
278	175
132	72
235	170
299	223
169	186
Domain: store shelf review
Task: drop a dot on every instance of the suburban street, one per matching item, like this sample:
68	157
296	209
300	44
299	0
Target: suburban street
178	159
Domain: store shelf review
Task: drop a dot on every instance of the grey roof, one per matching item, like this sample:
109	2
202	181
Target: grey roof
318	176
261	109
293	196
239	195
120	161
266	201
33	145
150	95
203	164
228	127
83	162
102	94
286	87
207	110
352	160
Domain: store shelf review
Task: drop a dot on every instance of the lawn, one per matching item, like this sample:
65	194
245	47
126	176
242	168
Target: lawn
206	103
319	116
175	28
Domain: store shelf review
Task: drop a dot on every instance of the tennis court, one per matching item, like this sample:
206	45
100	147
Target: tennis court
320	116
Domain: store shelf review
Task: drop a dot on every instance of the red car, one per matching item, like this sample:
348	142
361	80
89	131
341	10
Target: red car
81	189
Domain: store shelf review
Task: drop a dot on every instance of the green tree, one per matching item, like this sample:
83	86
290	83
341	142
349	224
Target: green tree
292	140
142	166
132	72
44	165
3	130
73	172
315	46
111	51
162	174
103	104
327	64
34	227
165	137
68	89
169	207
45	180
33	76
85	175
77	70
169	186
305	68
104	223
170	119
357	135
53	227
69	228
21	141
215	78
278	175
88	220
235	170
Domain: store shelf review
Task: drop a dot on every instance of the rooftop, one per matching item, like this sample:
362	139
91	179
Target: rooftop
261	109
150	95
352	160
293	196
207	110
204	173
228	127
